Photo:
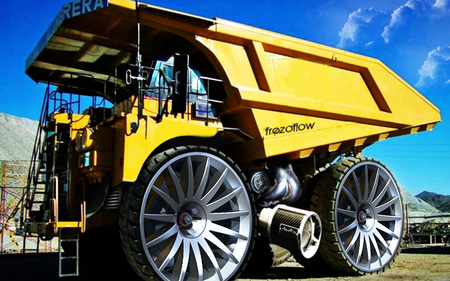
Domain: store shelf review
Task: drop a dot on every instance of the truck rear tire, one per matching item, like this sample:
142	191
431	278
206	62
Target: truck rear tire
189	216
361	209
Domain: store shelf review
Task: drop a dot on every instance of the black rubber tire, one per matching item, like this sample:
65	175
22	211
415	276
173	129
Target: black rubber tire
132	201
265	256
316	262
262	257
324	203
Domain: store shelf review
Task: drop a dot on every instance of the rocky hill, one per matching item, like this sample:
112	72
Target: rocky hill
440	202
16	137
417	206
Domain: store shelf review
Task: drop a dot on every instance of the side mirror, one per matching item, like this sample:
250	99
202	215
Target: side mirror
180	73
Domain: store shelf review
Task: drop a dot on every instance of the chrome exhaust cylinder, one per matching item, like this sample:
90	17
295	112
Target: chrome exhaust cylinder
291	228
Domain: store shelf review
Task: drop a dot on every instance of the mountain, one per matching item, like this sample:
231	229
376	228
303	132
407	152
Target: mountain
417	206
17	137
440	202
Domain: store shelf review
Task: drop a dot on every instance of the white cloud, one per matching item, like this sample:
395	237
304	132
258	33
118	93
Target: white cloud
442	4
358	21
414	11
436	68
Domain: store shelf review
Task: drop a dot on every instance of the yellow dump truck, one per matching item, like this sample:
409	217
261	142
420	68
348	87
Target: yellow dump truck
205	140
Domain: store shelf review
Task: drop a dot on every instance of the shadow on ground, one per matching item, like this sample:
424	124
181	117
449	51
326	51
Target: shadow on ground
429	250
14	267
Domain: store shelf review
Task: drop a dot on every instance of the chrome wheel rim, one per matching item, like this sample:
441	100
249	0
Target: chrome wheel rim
196	221
369	216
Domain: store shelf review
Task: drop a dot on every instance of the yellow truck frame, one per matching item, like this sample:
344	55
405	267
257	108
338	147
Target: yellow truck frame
204	140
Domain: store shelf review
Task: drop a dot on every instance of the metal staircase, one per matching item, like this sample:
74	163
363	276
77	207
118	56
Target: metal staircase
45	208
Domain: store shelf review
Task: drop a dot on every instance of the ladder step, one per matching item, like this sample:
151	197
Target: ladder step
42	182
70	240
63	258
69	258
35	251
69	275
41	192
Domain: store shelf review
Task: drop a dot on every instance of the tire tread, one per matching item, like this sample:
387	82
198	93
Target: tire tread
323	201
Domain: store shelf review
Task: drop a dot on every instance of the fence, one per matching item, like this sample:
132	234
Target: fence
429	229
13	182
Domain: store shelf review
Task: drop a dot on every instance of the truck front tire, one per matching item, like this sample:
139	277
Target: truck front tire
189	216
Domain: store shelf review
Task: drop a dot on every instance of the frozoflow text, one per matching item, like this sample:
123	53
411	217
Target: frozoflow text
289	129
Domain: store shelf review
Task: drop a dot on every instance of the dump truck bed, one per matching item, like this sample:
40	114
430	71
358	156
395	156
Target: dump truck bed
291	97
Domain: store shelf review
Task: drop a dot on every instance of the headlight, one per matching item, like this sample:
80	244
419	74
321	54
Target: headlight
85	160
84	139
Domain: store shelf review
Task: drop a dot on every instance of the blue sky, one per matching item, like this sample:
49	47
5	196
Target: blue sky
411	37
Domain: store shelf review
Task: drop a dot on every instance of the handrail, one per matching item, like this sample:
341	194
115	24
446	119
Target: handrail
83	206
28	197
55	199
208	80
83	216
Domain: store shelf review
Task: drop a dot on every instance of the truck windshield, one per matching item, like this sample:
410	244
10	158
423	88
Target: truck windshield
163	75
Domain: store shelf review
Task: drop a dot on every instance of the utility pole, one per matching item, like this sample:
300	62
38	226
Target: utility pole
3	205
407	218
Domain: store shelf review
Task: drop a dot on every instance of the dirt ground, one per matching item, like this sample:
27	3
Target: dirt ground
418	263
415	263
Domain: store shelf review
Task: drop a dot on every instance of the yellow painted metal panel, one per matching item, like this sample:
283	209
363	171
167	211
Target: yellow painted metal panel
235	61
69	224
285	133
77	121
138	146
404	99
321	82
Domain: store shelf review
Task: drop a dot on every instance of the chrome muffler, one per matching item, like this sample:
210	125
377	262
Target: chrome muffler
291	228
